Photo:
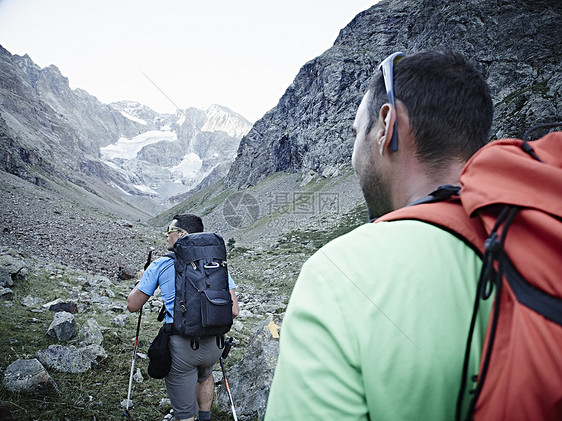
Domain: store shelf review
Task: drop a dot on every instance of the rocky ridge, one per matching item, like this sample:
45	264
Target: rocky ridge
516	44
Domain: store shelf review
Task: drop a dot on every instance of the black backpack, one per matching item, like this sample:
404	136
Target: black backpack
202	305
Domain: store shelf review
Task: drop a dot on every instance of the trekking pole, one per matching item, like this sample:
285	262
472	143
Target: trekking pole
227	346
126	412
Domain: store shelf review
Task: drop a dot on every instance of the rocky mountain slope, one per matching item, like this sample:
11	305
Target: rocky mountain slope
51	133
516	44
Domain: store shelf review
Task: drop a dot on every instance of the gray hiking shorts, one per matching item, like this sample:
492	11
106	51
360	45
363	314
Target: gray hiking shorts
188	368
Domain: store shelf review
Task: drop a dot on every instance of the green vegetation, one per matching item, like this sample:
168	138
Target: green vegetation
97	393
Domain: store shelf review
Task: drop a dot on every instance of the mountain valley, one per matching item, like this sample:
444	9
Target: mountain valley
88	188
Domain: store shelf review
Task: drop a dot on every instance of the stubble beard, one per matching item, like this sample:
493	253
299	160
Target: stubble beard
376	194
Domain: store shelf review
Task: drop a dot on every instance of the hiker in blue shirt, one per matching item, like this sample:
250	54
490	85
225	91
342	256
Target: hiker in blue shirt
191	373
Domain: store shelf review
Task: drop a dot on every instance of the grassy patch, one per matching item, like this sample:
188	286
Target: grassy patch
97	393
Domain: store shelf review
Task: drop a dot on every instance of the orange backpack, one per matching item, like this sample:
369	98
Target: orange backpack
510	212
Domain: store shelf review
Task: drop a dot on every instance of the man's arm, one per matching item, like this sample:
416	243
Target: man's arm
148	283
136	300
235	305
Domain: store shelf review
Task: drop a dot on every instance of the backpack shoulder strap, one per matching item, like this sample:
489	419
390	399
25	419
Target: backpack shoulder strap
448	215
163	310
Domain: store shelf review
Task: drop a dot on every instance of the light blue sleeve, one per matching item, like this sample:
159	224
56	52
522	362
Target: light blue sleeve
149	280
231	284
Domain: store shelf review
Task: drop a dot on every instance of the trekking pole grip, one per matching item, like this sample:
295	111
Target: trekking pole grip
148	259
227	346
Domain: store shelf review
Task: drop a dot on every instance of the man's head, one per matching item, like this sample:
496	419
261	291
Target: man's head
181	225
444	114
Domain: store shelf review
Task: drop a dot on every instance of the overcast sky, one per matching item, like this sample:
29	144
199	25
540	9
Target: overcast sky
242	54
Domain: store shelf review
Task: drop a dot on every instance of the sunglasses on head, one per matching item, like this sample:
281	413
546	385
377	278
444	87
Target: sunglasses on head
387	67
171	229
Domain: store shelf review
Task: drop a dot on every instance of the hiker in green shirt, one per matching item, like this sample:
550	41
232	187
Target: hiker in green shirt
376	326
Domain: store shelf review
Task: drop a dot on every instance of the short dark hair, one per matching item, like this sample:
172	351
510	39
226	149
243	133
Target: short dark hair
448	101
189	222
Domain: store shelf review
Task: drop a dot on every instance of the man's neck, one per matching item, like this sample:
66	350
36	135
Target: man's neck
416	183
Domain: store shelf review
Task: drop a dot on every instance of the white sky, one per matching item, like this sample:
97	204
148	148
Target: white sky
242	54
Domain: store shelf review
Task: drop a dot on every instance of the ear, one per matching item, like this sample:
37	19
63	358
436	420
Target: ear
387	116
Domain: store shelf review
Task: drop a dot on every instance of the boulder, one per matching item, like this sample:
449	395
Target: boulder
28	376
137	377
60	306
250	379
5	278
120	320
32	302
90	333
10	269
127	272
63	326
6	293
71	359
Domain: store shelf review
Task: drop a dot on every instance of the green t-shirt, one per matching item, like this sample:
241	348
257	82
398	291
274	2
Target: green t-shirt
376	327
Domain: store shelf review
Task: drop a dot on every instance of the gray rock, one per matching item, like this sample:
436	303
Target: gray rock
124	403
120	320
6	293
5	278
93	352
32	302
10	269
90	333
71	359
137	377
68	307
127	272
237	325
250	379
63	326
28	376
52	303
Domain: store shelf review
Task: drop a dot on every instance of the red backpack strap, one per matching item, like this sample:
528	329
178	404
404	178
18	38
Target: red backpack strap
448	215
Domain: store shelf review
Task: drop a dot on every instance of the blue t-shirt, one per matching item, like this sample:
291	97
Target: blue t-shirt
162	273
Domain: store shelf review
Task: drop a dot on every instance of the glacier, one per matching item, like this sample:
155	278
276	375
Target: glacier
175	153
129	148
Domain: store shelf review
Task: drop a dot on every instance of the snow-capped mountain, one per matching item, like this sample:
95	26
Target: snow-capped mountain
122	153
176	152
